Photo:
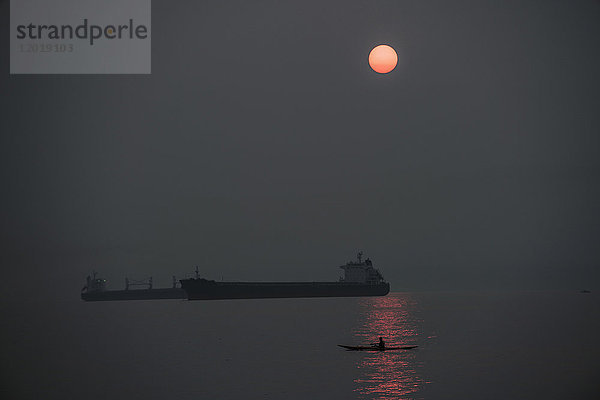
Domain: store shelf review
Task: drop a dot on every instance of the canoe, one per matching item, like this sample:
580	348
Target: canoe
375	348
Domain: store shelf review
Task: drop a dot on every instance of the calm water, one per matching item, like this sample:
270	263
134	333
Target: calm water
471	346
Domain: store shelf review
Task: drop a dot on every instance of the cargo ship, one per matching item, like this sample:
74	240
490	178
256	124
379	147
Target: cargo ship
360	279
96	290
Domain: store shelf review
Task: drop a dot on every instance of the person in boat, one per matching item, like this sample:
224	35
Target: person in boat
381	344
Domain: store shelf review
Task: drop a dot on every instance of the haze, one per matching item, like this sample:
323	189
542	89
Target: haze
263	147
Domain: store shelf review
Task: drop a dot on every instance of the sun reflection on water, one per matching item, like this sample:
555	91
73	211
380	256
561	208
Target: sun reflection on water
389	374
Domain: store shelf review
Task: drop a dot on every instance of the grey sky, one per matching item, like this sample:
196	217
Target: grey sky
263	147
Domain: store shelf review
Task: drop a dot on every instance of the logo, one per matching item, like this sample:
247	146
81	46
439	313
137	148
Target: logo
80	37
95	32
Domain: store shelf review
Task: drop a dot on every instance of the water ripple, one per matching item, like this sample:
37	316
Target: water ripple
391	374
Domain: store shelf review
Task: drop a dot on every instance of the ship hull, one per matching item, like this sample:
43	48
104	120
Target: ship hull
201	289
140	294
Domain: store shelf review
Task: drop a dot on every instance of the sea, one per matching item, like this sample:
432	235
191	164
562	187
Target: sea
471	345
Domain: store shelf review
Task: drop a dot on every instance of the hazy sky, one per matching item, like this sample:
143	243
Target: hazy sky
263	147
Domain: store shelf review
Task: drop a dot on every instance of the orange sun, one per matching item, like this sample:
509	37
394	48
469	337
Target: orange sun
383	59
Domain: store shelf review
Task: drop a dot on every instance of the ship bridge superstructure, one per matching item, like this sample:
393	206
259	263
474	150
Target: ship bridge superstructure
361	272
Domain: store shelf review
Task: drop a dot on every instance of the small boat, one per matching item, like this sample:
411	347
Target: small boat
375	348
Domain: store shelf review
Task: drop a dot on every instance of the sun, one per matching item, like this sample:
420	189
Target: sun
383	59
